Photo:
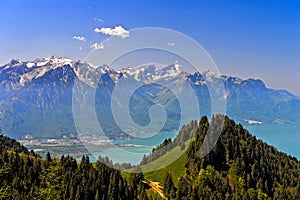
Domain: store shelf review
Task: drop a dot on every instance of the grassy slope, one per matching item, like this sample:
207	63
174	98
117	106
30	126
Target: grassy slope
176	168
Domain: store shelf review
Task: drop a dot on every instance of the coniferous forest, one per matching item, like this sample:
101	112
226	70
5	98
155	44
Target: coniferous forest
238	167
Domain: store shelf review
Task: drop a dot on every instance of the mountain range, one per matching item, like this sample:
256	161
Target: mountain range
37	98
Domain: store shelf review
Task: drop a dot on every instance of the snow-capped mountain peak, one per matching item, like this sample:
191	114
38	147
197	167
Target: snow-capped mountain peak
210	76
54	61
38	67
15	62
152	72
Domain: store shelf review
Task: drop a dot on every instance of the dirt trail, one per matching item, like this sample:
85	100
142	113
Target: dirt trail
156	188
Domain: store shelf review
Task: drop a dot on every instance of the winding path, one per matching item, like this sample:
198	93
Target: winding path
156	188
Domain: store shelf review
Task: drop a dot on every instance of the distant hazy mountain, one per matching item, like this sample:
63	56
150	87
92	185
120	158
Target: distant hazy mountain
36	96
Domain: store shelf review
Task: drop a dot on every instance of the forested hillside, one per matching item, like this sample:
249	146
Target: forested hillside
238	167
12	145
29	177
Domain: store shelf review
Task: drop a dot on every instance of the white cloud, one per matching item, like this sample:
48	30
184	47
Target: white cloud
118	31
80	38
80	48
98	19
97	46
171	44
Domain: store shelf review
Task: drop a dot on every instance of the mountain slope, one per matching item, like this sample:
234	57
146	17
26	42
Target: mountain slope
238	167
7	144
28	177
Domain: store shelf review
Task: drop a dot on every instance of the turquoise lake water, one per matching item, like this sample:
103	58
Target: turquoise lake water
285	138
135	150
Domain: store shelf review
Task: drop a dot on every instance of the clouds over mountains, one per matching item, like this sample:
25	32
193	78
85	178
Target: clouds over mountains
117	31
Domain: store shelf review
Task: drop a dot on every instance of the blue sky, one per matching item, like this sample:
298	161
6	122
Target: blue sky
259	39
